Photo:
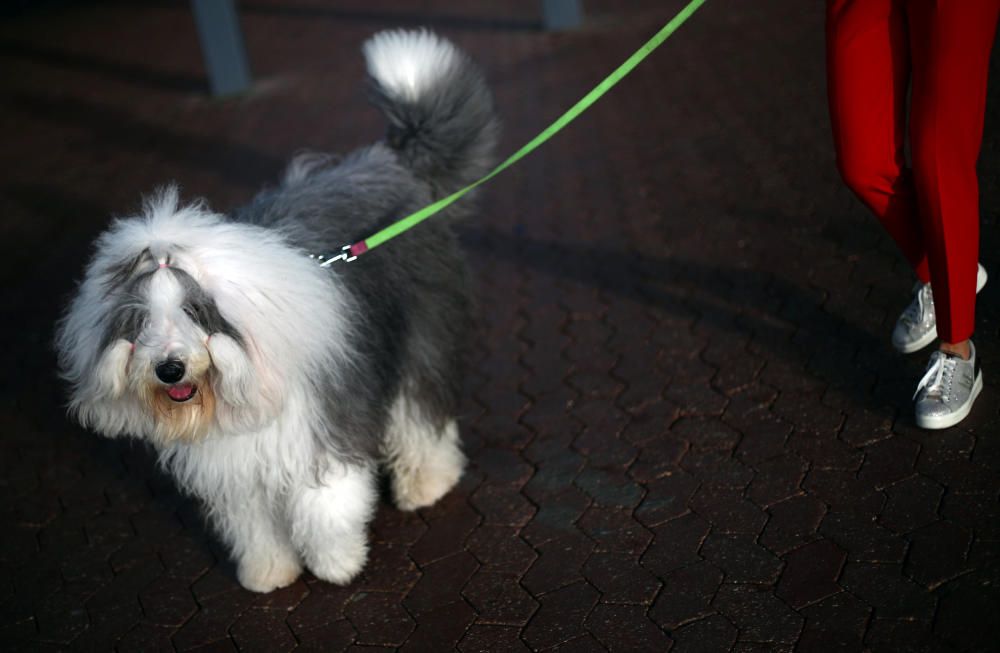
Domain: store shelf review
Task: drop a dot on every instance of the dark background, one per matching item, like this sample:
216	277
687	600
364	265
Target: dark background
685	422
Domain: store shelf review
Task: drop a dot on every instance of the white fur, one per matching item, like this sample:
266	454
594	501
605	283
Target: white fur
409	63
287	304
279	501
328	522
242	405
425	463
246	428
272	490
112	371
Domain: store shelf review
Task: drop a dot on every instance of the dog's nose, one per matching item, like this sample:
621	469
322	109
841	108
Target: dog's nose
170	371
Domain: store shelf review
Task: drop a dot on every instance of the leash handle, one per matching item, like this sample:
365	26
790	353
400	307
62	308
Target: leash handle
410	221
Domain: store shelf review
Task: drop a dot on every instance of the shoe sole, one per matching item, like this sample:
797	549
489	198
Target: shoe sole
917	345
935	423
931	336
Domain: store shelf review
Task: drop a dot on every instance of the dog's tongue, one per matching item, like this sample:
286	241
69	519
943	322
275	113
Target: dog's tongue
181	391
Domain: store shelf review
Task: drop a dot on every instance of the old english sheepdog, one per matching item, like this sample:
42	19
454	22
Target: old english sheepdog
274	388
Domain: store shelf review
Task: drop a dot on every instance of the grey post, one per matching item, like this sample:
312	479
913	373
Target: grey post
562	14
222	45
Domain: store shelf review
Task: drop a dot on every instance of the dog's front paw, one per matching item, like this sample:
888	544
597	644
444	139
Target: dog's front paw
341	563
267	573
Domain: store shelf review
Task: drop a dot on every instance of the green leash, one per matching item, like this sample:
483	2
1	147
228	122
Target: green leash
351	252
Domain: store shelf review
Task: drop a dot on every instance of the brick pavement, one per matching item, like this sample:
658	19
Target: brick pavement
686	428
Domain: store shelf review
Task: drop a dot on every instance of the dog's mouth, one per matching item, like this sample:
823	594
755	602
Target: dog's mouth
181	392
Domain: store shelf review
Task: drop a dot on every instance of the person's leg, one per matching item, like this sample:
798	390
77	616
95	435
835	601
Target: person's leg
868	71
950	45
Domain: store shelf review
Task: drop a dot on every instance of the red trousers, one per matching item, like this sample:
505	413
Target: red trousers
875	49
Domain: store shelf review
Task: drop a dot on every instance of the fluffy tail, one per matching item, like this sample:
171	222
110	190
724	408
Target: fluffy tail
441	119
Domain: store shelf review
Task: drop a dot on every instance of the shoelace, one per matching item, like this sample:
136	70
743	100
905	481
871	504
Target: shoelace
914	313
942	371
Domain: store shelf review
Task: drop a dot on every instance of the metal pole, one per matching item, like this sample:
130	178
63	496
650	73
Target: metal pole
222	46
562	14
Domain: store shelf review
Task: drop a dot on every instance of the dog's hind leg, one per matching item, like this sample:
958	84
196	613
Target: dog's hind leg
425	460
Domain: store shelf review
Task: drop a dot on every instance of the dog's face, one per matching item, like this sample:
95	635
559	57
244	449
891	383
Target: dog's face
168	354
186	324
146	346
157	347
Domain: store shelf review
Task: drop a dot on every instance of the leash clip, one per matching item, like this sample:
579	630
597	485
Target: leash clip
326	260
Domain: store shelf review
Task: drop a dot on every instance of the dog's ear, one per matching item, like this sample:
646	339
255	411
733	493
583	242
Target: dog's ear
111	375
96	395
235	381
245	399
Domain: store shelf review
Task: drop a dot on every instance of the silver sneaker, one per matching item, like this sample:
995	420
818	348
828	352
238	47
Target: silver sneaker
949	388
917	327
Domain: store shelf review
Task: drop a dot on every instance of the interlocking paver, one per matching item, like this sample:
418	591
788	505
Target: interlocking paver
559	563
262	630
777	479
728	510
967	611
792	522
167	601
626	628
499	598
937	553
885	635
379	618
713	633
886	589
666	497
481	637
338	634
619	580
676	544
760	616
837	623
720	466
843	491
212	622
686	429
440	628
742	558
912	503
614	529
687	595
863	538
561	615
811	573
440	582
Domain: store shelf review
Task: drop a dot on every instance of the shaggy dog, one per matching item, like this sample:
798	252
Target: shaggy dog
273	387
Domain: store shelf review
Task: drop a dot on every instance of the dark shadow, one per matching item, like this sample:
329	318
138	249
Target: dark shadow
790	327
117	129
38	270
395	18
122	71
19	8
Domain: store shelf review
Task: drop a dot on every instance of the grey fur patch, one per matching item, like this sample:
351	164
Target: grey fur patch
446	136
118	276
129	316
201	307
128	320
415	322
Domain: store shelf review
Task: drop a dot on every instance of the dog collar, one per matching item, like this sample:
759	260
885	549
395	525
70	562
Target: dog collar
347	254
